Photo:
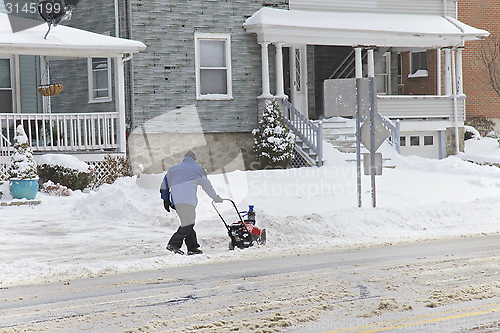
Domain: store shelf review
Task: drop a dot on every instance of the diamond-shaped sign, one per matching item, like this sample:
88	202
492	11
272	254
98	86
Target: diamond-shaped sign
380	134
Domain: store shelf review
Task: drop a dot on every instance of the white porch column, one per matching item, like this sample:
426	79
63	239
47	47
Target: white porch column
265	71
371	63
438	70
359	62
447	72
17	84
120	103
459	71
280	90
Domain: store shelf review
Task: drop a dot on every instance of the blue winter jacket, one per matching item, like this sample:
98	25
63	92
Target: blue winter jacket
182	180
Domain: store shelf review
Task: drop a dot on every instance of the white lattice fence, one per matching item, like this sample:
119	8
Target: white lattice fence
3	171
108	170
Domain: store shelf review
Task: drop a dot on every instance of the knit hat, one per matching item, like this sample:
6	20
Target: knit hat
190	154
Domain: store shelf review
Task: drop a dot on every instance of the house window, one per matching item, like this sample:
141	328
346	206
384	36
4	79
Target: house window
428	140
382	74
402	141
414	141
213	66
418	64
400	68
6	91
99	80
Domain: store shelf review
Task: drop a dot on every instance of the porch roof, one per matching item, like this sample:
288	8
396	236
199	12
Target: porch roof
62	41
358	28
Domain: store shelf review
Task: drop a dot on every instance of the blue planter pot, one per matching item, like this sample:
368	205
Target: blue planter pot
24	188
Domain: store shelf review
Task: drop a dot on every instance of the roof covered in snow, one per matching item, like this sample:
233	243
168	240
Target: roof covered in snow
62	41
359	28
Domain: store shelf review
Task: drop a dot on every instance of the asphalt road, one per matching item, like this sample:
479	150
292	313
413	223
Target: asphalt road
438	286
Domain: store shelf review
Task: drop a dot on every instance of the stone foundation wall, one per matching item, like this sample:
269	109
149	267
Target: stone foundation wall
450	140
215	152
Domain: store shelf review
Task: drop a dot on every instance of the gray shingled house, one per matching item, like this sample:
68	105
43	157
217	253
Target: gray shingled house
210	65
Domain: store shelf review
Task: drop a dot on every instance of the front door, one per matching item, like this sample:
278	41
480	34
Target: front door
298	78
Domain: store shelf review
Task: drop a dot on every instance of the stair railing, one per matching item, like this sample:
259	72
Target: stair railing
310	134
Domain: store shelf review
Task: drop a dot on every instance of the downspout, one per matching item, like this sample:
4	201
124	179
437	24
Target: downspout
127	58
117	20
455	102
454	76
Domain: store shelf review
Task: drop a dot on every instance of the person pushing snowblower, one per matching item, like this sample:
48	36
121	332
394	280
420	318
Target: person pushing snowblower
178	191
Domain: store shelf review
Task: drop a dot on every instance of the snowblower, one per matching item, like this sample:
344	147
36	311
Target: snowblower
243	233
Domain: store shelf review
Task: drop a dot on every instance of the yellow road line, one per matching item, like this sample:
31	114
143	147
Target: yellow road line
411	323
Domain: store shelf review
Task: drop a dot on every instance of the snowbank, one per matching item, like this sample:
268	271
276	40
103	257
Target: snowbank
123	227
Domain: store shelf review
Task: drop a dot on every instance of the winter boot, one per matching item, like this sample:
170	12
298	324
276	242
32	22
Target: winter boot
174	249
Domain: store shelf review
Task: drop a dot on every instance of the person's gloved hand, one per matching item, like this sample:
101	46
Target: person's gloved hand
218	199
166	204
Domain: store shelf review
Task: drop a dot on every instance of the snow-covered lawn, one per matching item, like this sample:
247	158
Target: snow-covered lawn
124	227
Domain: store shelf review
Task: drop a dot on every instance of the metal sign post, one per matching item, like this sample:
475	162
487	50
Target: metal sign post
358	138
372	139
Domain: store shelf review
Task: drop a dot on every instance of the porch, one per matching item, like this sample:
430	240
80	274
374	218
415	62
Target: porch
368	43
67	130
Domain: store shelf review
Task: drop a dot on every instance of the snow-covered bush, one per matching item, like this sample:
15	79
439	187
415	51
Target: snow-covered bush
471	133
65	170
274	143
23	165
480	123
55	189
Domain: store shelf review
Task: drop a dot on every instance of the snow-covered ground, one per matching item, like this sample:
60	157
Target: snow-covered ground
123	227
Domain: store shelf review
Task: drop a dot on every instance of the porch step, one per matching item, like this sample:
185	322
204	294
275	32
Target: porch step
341	133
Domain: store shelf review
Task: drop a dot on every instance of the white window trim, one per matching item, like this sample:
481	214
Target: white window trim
417	72
12	81
91	83
214	36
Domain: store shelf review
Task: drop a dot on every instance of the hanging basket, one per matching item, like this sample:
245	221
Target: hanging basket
50	89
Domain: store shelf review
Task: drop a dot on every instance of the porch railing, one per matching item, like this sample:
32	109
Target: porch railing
71	132
6	151
310	134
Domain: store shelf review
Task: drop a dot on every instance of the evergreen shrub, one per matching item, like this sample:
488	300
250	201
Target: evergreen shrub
274	143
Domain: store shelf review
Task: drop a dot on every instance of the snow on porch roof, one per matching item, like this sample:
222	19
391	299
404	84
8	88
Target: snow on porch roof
62	41
357	28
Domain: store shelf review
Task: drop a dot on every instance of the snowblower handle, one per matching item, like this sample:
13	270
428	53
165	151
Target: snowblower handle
236	208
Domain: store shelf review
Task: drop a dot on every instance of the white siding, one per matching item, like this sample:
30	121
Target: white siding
420	107
422	7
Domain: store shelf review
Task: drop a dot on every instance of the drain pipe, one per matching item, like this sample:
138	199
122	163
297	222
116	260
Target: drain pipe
455	102
117	20
454	74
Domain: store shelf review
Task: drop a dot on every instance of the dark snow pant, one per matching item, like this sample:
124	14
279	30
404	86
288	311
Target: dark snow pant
185	233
